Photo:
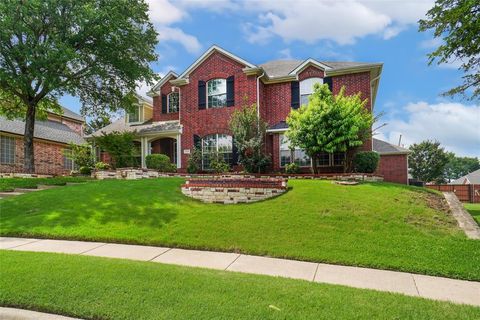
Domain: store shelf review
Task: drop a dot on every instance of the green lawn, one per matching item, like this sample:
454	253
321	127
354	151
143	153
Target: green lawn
99	288
474	209
9	184
378	225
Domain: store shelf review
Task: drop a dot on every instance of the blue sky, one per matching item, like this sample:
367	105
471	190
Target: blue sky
346	30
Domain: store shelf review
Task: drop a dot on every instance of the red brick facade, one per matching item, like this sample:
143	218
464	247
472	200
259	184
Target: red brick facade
157	104
393	168
48	158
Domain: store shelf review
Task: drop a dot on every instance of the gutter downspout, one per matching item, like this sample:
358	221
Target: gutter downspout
371	102
258	98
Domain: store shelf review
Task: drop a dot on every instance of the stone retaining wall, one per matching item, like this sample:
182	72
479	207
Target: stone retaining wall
228	191
128	174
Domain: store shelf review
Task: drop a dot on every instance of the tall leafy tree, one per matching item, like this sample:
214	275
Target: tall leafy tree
96	50
457	23
427	161
329	123
457	167
249	132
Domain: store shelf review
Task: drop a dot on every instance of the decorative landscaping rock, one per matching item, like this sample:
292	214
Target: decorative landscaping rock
234	190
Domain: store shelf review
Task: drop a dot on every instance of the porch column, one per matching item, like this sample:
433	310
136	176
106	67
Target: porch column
179	151
143	149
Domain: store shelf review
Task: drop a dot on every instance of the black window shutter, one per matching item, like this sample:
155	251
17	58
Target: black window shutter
164	103
197	142
202	95
328	80
230	91
234	153
295	93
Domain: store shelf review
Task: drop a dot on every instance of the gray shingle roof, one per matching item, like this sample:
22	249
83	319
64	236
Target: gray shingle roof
281	68
146	127
46	130
383	147
70	114
472	178
279	126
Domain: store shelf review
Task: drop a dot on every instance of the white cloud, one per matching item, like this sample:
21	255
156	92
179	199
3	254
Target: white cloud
190	42
163	13
286	54
455	125
431	43
340	21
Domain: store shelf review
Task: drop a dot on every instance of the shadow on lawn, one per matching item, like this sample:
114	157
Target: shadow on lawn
90	205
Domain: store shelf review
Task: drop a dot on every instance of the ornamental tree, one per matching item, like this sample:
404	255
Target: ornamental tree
457	167
329	123
249	137
95	50
427	161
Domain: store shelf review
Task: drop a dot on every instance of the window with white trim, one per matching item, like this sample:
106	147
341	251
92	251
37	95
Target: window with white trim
323	159
173	102
134	115
338	159
306	88
216	93
220	144
7	150
286	154
68	162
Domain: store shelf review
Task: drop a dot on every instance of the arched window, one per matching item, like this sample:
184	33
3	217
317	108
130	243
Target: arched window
216	145
216	93
306	88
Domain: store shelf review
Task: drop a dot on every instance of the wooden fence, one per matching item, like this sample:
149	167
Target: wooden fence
464	192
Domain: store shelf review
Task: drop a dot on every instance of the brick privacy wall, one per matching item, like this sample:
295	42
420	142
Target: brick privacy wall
48	158
393	168
215	120
157	103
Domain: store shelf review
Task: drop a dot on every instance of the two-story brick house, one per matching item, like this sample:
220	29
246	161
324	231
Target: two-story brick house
193	109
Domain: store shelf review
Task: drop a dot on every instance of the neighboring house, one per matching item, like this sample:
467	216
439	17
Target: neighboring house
471	178
51	140
193	109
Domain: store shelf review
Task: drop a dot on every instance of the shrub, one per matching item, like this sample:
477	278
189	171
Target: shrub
218	164
292	168
85	170
194	161
121	148
160	162
366	161
102	166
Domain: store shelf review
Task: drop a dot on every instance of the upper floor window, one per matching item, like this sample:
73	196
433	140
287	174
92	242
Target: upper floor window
173	102
7	150
216	145
134	115
289	155
217	93
306	88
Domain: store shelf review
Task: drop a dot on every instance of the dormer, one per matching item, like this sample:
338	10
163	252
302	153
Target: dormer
141	112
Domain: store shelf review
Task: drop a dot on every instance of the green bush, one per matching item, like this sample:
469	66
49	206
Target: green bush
160	162
102	166
85	170
194	161
366	161
218	164
292	168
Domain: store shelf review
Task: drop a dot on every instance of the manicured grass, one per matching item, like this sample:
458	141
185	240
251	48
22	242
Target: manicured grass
9	184
378	225
474	209
98	288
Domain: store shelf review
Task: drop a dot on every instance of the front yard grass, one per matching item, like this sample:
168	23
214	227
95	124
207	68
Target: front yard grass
99	288
377	225
9	184
474	210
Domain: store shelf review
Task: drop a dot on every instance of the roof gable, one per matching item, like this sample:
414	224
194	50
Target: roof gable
208	53
307	63
170	74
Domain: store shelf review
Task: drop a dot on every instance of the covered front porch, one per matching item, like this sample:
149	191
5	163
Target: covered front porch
167	144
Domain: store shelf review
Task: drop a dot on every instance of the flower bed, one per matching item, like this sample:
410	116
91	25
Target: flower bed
234	190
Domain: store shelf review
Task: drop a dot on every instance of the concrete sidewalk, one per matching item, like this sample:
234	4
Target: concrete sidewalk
21	314
437	288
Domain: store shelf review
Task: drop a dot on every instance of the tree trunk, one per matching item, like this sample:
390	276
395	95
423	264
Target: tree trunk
314	164
28	162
